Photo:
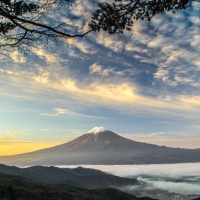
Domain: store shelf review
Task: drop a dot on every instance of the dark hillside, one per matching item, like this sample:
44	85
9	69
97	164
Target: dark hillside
79	177
16	188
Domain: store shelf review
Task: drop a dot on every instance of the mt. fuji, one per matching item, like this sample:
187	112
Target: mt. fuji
104	147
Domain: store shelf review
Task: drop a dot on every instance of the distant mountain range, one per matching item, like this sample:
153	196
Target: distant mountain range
101	146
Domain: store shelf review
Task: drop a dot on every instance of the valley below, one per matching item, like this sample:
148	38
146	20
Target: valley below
158	181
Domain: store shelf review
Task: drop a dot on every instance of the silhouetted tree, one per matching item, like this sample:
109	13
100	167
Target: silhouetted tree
121	14
25	22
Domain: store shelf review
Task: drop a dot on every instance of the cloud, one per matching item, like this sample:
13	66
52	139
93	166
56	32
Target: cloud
154	134
158	42
14	133
120	94
174	170
17	57
169	139
77	132
95	68
112	89
61	138
79	8
124	94
57	112
8	72
83	46
110	41
61	111
49	114
183	188
191	100
46	55
170	42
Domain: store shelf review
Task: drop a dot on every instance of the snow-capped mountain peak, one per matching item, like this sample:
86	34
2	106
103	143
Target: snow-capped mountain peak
96	130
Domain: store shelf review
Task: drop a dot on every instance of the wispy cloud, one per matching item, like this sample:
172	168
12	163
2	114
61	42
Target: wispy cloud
17	57
77	132
49	114
15	133
107	71
174	170
110	41
57	112
117	93
8	72
61	111
169	139
183	188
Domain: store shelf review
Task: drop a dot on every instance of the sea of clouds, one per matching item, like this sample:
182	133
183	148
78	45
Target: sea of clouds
181	178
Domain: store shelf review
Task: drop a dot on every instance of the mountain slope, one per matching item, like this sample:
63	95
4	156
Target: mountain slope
104	147
103	141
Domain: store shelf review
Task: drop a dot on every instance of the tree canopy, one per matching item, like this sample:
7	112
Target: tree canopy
25	22
121	14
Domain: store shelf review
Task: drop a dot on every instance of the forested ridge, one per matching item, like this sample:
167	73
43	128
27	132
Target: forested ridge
17	188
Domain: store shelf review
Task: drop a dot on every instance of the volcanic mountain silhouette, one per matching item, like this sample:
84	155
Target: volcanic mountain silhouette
105	147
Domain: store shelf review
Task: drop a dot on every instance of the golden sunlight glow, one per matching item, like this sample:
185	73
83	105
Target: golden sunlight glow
113	93
119	93
13	148
17	57
195	100
40	52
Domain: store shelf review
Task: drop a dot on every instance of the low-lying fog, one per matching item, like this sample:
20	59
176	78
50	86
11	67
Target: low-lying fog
177	178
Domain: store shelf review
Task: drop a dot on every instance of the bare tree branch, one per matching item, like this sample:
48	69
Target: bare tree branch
31	21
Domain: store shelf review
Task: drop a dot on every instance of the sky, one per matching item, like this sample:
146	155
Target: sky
143	85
